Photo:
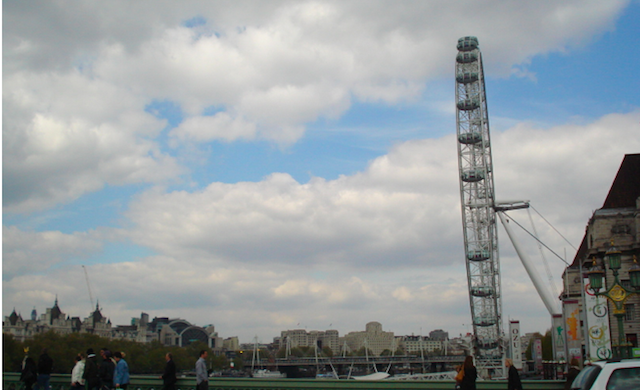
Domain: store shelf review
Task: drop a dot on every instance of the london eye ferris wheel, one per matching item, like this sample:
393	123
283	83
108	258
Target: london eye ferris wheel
478	201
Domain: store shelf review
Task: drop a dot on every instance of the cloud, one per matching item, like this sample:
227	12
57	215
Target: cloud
71	136
77	79
377	245
25	252
366	220
360	247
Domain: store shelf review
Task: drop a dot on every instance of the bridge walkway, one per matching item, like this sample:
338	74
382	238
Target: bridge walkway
11	381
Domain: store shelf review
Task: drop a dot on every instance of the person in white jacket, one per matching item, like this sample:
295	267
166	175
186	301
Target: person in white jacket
77	382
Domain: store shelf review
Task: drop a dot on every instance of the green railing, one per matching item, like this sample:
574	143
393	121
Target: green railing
11	381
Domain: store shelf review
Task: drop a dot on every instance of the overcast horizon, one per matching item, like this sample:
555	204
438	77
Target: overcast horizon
274	165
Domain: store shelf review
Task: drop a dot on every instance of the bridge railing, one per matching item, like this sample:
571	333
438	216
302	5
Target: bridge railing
11	381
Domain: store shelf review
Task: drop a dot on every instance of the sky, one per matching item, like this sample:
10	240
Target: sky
274	165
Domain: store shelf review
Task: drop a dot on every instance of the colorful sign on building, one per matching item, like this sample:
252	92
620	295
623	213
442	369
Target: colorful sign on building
598	331
516	344
573	337
557	337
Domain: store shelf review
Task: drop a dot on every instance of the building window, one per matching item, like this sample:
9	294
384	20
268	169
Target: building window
620	229
629	314
626	284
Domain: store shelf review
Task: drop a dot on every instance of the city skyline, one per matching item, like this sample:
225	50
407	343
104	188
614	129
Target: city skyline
54	318
262	166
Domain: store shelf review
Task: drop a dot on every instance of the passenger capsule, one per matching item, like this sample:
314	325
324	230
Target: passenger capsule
467	43
466	78
466	57
485	321
487	344
476	255
472	176
482	292
470	138
468	104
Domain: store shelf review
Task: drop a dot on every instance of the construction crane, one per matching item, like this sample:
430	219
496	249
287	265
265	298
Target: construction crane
86	277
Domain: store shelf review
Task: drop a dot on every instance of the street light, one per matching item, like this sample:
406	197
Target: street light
617	293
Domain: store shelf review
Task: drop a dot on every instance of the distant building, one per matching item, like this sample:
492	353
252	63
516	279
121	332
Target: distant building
170	332
373	338
301	338
458	345
413	344
179	332
55	320
439	334
231	344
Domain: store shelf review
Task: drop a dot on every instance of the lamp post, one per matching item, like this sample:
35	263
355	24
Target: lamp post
617	293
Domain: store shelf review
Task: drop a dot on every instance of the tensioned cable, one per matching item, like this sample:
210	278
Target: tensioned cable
537	239
552	227
544	258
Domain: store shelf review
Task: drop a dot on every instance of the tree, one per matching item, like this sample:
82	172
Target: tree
12	354
326	351
142	358
363	352
238	364
547	346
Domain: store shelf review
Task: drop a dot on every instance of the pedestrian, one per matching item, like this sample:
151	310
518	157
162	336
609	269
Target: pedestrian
29	372
121	373
572	373
77	381
513	382
45	365
459	376
106	370
202	379
91	373
468	381
169	378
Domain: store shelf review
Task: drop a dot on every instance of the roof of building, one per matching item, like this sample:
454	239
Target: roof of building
55	312
623	193
625	189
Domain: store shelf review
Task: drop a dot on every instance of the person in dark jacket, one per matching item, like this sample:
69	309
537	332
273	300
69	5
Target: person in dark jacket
45	365
169	378
468	381
91	373
513	382
106	370
29	373
572	373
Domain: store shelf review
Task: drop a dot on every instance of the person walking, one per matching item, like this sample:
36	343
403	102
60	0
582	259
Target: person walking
572	373
202	379
121	374
45	365
468	381
106	370
513	382
91	373
169	378
459	376
29	372
77	382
